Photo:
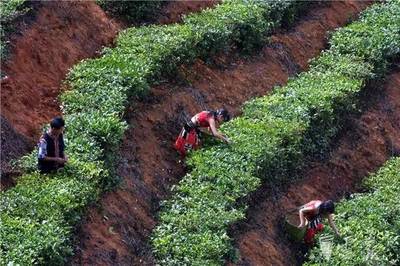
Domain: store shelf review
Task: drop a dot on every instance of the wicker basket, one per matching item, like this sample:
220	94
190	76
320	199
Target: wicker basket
295	234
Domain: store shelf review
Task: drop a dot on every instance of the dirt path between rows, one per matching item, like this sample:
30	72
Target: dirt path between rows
367	143
117	231
47	42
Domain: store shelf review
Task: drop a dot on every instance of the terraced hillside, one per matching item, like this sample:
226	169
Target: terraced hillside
125	107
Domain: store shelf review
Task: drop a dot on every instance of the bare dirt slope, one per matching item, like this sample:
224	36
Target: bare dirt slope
61	35
365	145
116	232
12	144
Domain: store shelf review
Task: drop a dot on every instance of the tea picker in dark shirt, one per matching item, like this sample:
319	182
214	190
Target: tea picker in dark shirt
51	154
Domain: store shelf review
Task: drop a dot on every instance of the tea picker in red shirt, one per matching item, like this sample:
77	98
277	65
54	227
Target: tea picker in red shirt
313	213
206	122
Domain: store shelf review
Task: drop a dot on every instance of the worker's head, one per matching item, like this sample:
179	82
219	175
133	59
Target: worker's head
327	207
222	115
57	125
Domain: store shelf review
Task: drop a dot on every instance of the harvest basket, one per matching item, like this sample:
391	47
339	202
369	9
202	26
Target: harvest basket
295	234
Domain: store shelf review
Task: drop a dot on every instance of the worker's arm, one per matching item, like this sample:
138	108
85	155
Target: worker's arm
332	224
55	159
43	154
206	131
301	216
215	132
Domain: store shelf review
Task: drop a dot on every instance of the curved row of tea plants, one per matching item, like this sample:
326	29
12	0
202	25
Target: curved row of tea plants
37	215
132	11
369	222
271	138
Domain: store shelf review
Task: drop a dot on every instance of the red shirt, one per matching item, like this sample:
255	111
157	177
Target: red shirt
201	119
310	214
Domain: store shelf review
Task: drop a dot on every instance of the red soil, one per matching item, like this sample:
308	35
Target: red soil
12	144
62	34
370	140
118	231
174	10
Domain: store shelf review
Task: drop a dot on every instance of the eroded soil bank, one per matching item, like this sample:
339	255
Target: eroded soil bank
368	141
12	144
116	232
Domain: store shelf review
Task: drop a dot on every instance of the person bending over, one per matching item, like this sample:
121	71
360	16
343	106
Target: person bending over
206	122
313	213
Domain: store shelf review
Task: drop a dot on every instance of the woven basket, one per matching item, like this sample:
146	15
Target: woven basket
295	234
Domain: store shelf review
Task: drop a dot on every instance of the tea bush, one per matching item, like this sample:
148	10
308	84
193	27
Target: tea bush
271	138
369	223
39	212
9	10
132	11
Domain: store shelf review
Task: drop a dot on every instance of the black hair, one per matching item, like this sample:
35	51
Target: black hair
57	122
224	113
327	207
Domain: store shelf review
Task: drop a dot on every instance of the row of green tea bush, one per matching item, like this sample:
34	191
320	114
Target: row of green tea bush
271	139
133	11
37	215
369	222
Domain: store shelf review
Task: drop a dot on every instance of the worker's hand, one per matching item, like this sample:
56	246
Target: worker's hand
61	160
226	140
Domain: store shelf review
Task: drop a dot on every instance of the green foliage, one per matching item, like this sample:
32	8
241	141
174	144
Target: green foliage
367	40
270	140
36	218
38	214
369	223
9	9
245	25
132	11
